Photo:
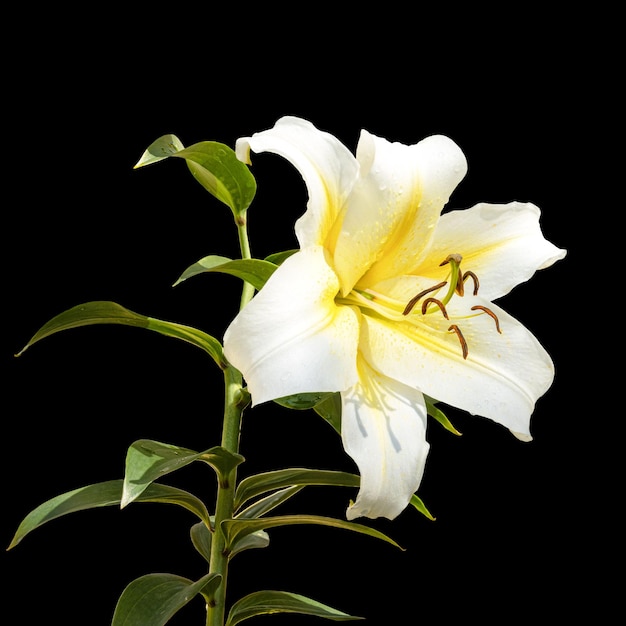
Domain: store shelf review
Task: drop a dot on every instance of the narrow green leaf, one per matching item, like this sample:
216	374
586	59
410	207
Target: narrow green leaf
269	602
107	493
278	257
214	165
254	271
265	505
440	416
153	599
236	529
147	461
105	312
416	502
270	481
163	147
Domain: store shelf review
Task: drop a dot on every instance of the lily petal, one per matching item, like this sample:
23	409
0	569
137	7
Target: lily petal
292	337
384	431
328	168
501	243
408	187
502	377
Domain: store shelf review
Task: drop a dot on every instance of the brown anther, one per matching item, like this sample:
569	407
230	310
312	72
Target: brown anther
473	276
439	303
459	334
460	286
457	258
413	301
490	313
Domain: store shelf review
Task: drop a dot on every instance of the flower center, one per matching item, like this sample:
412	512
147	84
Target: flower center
456	285
391	309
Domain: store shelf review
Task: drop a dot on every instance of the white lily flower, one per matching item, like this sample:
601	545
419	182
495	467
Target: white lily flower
388	300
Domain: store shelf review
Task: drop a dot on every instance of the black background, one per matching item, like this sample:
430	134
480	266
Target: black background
87	92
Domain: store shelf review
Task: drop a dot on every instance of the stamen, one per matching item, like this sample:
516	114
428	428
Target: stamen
490	313
413	301
438	303
473	276
459	334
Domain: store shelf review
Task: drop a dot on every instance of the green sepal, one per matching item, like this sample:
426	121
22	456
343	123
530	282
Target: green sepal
147	461
153	599
236	529
269	602
440	416
254	271
107	493
105	312
258	484
214	165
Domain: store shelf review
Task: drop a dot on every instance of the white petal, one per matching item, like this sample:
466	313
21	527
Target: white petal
292	337
395	207
384	431
501	243
326	165
502	377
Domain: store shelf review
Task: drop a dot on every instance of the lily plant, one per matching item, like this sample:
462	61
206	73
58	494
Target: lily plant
385	311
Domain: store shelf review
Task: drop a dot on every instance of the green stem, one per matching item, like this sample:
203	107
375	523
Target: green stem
244	244
235	401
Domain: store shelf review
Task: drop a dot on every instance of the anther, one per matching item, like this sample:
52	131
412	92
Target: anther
490	313
473	276
459	334
439	303
413	301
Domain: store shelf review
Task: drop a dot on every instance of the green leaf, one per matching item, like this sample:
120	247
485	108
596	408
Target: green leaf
279	479
264	505
214	165
440	416
163	147
147	461
278	257
258	539
107	493
303	401
153	599
254	271
105	312
330	410
421	507
269	602
236	529
201	538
